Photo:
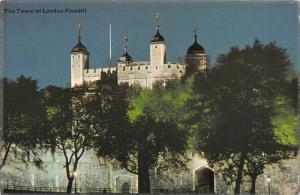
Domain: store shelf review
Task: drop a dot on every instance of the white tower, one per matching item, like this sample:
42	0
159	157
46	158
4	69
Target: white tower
157	47
79	61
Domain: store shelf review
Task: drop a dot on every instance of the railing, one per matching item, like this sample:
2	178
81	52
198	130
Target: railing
23	189
18	188
172	191
199	190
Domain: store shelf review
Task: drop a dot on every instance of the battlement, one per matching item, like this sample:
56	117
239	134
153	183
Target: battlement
140	66
145	74
95	74
93	71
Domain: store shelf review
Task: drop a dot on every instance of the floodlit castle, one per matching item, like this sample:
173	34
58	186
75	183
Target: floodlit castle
147	74
142	73
96	172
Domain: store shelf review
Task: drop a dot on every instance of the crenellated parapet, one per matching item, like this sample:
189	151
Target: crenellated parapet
99	74
145	74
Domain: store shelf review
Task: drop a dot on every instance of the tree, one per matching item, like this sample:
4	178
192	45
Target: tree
75	117
241	91
285	123
256	163
149	134
23	116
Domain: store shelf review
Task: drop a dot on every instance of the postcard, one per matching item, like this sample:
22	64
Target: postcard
154	97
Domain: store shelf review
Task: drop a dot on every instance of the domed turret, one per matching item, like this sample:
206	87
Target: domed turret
126	57
79	47
157	37
195	58
157	47
79	61
195	47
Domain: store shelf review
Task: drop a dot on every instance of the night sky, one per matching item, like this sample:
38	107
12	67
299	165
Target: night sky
39	45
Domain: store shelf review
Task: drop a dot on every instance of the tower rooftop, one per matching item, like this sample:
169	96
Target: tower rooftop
79	47
157	37
195	47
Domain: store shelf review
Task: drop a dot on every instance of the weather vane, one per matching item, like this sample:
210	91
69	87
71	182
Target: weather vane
195	29
78	31
157	19
125	42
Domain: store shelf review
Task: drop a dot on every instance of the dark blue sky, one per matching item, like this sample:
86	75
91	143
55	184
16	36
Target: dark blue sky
38	45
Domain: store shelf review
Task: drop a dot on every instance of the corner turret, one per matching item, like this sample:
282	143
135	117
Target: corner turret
125	58
79	61
195	58
157	47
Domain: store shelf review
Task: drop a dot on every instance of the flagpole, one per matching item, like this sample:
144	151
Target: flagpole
109	44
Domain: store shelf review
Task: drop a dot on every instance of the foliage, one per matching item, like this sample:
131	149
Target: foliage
151	134
24	116
75	117
285	123
164	104
240	91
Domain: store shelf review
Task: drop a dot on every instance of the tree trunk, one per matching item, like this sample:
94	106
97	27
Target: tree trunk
70	183
143	181
237	189
253	181
143	172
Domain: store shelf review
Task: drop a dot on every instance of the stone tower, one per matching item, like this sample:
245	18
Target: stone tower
195	58
79	61
157	47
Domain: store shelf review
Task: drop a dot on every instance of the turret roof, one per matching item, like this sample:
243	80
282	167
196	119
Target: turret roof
195	47
157	37
79	47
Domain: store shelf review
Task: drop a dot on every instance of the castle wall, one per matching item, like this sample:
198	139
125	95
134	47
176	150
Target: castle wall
95	74
94	172
146	75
